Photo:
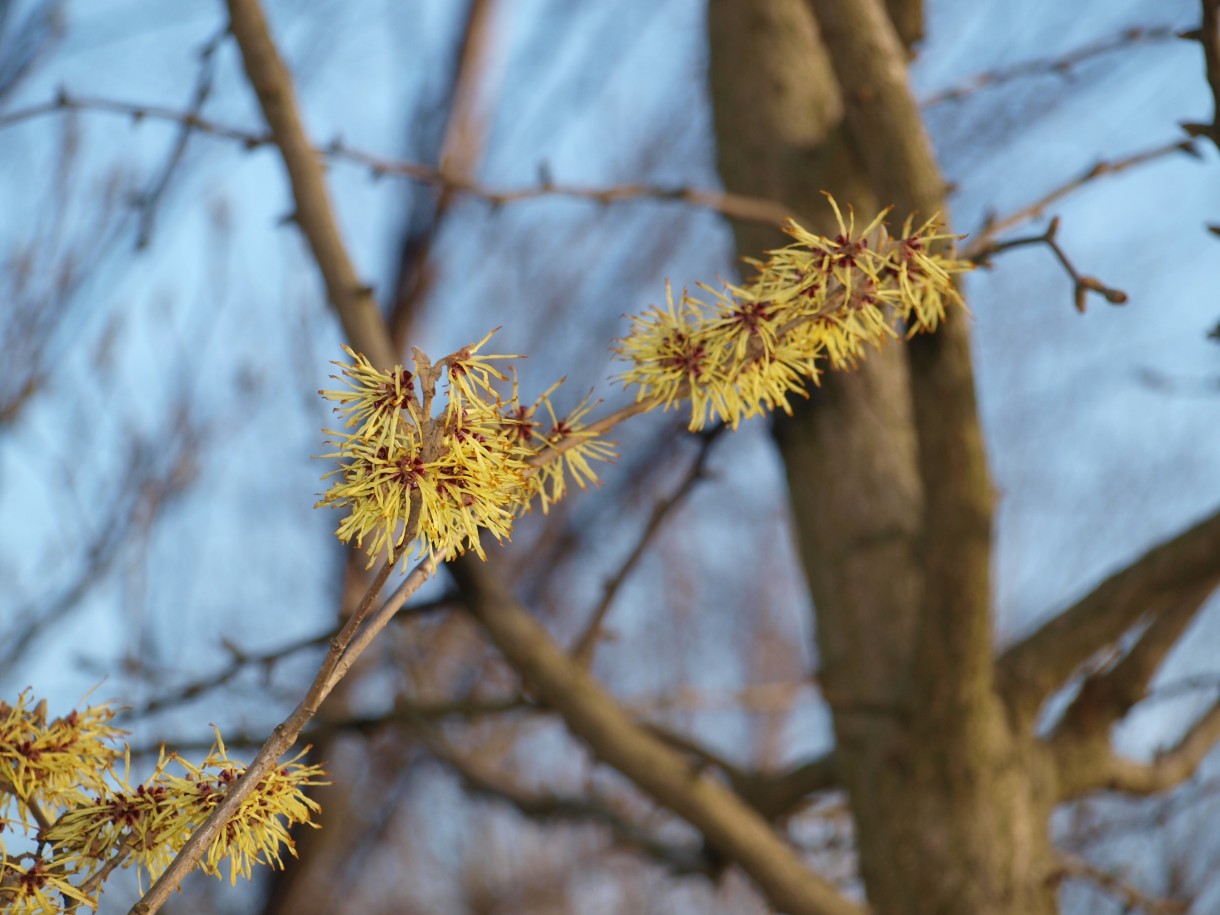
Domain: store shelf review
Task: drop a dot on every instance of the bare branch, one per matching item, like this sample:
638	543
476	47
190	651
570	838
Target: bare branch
1081	285
728	823
344	649
465	134
1102	168
1043	661
1088	766
352	298
741	207
1208	35
150	199
586	643
547	806
1051	66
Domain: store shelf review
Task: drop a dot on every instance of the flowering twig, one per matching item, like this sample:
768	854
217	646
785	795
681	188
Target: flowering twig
343	651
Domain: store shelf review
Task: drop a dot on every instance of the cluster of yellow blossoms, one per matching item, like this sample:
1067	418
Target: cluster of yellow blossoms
819	300
408	471
79	818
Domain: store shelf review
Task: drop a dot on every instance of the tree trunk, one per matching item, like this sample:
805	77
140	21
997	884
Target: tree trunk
951	799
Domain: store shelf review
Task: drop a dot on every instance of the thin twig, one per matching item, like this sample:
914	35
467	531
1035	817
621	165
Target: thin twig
732	206
344	649
239	660
586	643
1050	66
993	226
149	200
1082	285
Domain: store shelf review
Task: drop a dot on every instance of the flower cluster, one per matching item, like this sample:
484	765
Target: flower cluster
443	475
817	300
155	819
60	791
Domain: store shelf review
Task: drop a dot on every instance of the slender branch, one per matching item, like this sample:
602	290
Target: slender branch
1081	285
739	207
344	649
727	822
1043	661
994	226
586	643
1089	768
464	137
151	198
547	806
239	660
352	298
1050	66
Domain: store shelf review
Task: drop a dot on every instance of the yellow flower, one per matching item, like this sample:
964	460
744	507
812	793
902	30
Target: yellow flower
445	476
819	298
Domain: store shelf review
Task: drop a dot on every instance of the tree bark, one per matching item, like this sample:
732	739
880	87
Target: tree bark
889	489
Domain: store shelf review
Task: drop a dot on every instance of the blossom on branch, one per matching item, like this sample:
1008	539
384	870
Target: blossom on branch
818	301
444	475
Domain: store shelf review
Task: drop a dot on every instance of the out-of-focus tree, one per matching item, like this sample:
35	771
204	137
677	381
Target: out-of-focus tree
661	686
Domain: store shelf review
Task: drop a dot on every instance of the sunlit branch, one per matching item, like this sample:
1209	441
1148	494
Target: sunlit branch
344	649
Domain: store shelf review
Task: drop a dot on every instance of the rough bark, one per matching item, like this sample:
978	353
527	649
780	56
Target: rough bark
889	487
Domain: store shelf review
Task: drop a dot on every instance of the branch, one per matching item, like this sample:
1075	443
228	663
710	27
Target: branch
344	649
1107	695
1051	66
352	298
1208	35
586	643
1088	767
993	225
150	199
727	822
240	660
953	645
1044	661
1081	285
462	144
740	207
547	806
